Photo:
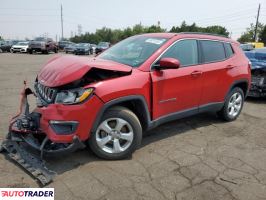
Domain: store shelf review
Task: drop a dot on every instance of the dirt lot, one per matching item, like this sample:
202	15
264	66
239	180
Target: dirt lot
195	158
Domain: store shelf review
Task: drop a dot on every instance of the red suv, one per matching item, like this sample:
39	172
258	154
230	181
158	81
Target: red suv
143	81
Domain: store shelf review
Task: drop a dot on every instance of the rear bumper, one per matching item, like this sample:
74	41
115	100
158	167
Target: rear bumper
37	49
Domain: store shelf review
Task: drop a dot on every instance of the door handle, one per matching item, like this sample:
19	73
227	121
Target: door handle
196	73
230	66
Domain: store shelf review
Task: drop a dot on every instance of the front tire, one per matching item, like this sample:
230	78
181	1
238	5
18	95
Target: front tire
118	134
233	105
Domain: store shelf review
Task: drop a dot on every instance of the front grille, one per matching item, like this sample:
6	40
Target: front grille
45	93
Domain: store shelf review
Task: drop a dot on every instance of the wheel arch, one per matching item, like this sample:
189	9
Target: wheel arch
243	84
136	103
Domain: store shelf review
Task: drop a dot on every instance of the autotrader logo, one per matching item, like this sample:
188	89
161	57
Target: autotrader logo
26	193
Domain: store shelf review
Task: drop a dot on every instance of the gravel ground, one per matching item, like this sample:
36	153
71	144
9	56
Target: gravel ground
194	158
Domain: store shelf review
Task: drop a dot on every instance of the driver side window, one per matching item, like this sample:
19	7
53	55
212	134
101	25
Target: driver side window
186	51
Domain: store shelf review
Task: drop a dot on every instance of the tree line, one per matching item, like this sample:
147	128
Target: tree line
116	35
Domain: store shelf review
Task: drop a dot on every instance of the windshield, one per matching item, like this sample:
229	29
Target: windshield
133	51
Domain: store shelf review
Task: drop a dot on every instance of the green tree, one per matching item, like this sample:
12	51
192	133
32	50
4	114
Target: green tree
262	35
248	35
115	35
184	27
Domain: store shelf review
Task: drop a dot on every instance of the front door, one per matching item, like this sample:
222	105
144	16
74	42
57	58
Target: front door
178	90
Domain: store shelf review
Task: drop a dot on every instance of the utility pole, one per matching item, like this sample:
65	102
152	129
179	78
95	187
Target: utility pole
256	27
62	27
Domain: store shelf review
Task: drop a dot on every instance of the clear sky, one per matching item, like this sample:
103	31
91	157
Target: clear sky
31	18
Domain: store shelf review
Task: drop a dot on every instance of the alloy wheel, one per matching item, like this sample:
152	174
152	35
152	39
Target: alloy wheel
114	135
235	104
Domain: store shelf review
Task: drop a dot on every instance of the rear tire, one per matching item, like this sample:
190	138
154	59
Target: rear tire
233	105
118	134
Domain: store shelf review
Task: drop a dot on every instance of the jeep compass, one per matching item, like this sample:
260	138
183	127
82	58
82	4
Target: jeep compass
141	82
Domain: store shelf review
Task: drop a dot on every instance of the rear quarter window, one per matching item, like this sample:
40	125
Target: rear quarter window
212	51
228	50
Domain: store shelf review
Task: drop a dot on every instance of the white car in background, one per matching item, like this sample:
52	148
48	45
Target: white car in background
21	47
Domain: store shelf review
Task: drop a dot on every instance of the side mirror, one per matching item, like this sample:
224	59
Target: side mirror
168	63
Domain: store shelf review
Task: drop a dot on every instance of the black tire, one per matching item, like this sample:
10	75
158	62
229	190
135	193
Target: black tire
55	50
128	116
30	51
224	113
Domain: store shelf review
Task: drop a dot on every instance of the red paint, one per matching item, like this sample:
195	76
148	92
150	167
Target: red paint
165	91
65	69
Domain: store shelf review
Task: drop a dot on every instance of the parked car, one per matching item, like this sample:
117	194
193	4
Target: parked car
246	47
6	45
257	44
21	47
2	42
141	82
70	48
63	44
257	58
43	45
93	48
82	49
102	46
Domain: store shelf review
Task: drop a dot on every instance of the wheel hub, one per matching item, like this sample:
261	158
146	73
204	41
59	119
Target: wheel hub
116	138
115	134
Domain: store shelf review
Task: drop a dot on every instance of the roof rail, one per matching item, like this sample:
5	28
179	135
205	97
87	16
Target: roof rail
203	33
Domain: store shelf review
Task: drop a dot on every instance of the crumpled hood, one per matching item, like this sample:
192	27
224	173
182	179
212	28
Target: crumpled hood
61	70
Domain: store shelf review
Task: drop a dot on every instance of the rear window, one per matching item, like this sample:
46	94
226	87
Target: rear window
228	50
212	51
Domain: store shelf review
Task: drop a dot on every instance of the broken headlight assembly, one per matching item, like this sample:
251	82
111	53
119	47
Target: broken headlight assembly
73	96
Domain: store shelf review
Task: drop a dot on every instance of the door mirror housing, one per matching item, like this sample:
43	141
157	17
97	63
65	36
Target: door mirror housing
168	63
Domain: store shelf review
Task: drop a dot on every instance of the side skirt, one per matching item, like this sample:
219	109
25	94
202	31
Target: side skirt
212	107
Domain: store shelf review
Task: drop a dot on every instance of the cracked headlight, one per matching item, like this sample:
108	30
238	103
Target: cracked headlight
73	96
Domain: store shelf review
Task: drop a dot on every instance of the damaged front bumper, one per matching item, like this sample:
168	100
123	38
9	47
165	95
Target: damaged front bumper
27	144
258	86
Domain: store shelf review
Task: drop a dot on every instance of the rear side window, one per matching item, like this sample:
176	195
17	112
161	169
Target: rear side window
212	51
228	50
186	51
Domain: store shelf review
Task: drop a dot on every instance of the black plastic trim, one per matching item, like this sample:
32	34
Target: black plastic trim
237	82
212	107
121	100
64	127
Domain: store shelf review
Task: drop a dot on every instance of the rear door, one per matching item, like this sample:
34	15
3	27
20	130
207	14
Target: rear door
175	90
215	68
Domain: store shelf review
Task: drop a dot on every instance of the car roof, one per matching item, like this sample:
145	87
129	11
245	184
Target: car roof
196	35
